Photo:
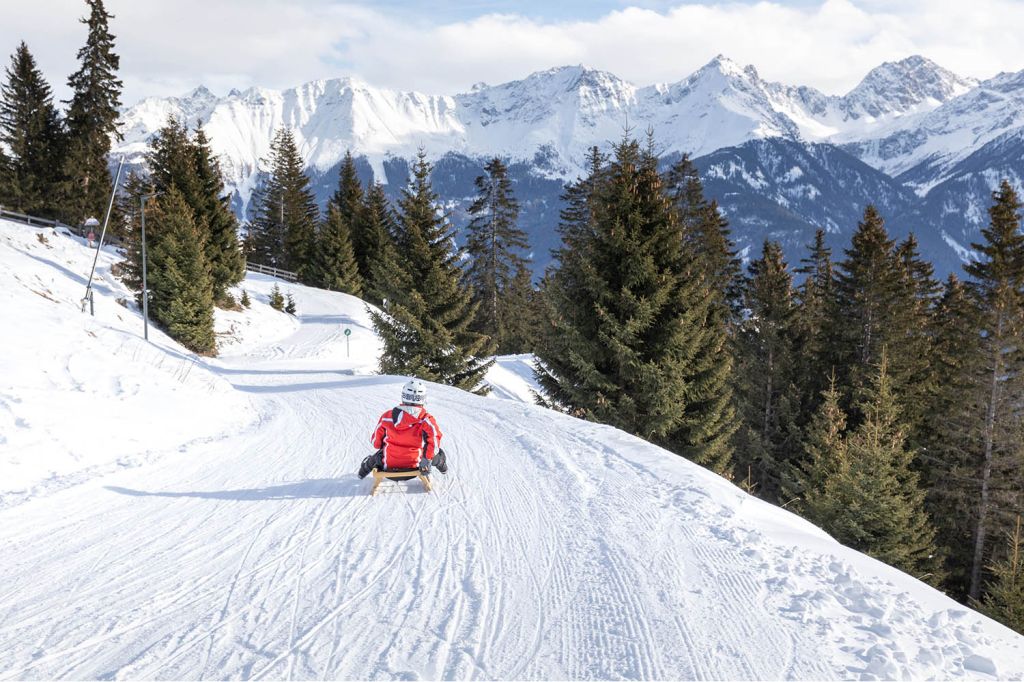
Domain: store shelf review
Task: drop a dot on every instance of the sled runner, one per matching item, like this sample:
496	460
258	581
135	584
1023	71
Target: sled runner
398	475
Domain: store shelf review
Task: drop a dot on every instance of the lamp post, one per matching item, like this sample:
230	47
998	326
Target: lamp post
145	289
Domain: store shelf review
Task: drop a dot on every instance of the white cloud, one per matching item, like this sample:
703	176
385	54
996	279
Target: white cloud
169	47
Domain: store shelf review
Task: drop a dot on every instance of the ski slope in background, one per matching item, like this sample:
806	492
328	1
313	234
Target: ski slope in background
208	523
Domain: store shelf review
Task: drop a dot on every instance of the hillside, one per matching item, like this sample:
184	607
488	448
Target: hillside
221	531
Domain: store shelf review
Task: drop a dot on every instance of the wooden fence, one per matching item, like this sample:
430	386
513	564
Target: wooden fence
272	271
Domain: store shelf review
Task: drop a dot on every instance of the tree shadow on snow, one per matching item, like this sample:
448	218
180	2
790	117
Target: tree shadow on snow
317	488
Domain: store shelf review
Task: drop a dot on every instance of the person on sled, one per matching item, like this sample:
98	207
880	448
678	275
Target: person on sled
407	436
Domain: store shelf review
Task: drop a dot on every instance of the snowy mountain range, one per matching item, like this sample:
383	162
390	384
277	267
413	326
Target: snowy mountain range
936	141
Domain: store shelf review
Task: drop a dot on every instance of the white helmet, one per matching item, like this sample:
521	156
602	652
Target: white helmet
414	392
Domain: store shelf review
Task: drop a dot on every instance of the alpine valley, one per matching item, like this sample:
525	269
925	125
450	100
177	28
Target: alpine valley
925	145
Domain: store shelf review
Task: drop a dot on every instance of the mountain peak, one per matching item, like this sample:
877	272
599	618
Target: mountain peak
725	66
903	86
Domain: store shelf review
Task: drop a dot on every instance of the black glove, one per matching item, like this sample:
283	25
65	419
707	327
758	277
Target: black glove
424	466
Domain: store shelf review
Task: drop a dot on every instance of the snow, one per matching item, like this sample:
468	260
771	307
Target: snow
558	113
244	546
511	378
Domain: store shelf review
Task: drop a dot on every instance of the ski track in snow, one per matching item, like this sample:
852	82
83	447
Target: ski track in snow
552	550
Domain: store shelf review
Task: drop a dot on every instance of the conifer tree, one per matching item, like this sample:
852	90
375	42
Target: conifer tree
816	485
283	230
289	306
351	203
998	287
711	411
951	440
625	312
277	299
707	233
813	329
493	244
336	263
869	293
91	120
765	375
172	163
520	310
379	233
557	316
227	263
869	497
129	229
181	290
175	159
428	315
31	129
245	301
1004	598
914	375
8	187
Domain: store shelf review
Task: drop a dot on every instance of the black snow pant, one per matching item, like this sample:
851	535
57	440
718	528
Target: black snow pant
376	461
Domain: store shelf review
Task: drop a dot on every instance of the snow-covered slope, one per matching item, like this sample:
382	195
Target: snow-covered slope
554	549
82	395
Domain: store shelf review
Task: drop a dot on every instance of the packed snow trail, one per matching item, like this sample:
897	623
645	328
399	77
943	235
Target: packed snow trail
554	549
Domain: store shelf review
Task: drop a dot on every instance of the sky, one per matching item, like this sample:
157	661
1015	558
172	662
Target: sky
168	47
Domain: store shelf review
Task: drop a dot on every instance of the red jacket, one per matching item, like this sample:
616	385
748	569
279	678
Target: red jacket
406	437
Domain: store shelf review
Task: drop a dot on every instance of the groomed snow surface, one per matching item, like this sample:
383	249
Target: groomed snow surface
169	517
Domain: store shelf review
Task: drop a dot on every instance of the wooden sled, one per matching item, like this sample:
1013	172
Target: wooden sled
399	475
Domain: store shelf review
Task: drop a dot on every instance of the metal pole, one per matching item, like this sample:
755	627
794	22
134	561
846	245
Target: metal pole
145	287
106	221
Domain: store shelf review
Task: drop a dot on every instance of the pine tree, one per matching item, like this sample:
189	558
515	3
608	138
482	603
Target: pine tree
520	311
172	163
765	375
227	263
708	234
351	203
1004	598
813	329
283	230
493	244
625	311
336	264
951	430
277	299
245	301
289	307
31	129
175	159
866	494
181	290
379	233
91	120
912	369
129	229
819	474
711	411
998	287
869	302
428	315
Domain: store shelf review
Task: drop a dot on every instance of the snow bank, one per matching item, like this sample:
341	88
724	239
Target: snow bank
82	395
